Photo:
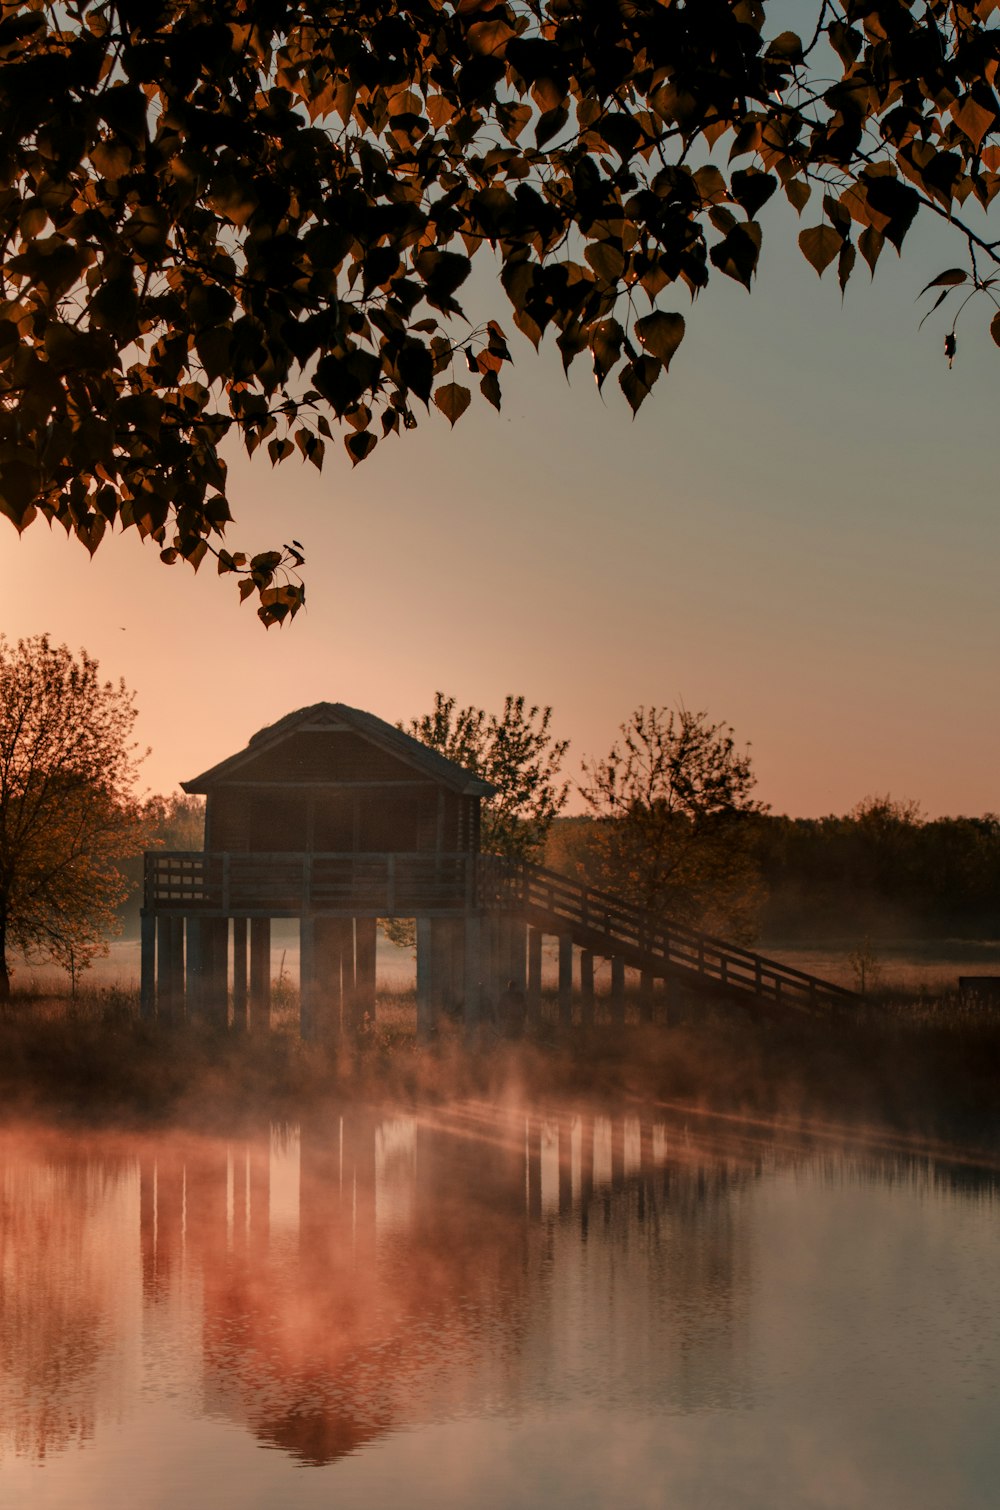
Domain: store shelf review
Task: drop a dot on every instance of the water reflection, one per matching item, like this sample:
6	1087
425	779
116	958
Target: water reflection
330	1283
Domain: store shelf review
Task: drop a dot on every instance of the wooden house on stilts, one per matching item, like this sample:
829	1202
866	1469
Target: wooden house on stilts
334	818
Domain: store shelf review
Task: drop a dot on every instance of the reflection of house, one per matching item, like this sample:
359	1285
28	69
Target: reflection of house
433	1264
327	1285
333	817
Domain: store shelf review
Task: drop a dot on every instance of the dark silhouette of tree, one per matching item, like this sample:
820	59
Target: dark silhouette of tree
673	798
882	870
67	811
517	753
253	218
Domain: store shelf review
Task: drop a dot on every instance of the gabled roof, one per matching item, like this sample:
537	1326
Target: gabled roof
332	717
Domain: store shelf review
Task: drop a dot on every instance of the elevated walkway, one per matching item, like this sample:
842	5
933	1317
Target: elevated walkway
480	924
604	925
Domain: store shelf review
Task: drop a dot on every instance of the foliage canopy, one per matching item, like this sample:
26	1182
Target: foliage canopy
67	812
672	797
253	218
516	752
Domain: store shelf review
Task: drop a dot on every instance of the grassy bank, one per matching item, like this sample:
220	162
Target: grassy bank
928	1067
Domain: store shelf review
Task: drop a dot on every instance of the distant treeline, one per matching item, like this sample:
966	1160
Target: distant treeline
880	876
881	871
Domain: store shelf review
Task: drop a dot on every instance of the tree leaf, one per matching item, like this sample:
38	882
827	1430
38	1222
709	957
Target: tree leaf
798	193
752	189
954	275
737	255
820	245
606	344
661	334
452	399
786	46
360	445
870	244
845	264
606	259
637	379
972	118
489	386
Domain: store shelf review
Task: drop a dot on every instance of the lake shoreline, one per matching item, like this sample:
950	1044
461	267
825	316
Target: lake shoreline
934	1077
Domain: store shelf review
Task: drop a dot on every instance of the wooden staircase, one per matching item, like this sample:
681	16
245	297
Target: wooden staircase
606	926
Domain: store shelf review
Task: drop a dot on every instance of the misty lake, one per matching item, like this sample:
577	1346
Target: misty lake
496	1307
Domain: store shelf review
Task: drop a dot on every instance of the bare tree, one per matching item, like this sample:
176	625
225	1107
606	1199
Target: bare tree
68	813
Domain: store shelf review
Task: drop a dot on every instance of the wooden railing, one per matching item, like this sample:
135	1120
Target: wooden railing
283	884
605	924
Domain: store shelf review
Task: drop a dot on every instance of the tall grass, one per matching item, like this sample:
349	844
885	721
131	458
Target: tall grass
924	1063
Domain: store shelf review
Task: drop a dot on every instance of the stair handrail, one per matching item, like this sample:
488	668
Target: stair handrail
594	899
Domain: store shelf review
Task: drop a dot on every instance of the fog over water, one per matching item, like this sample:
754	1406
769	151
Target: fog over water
494	1306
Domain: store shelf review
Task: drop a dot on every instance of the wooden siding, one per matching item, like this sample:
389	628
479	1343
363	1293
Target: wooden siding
326	818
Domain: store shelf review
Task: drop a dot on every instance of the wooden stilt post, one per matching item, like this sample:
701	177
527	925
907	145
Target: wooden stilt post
646	996
240	974
565	980
308	1025
505	950
215	970
194	967
517	998
457	966
166	985
442	989
534	987
326	964
425	978
260	975
518	954
473	972
147	990
177	967
350	1012
618	991
587	989
365	940
668	998
487	972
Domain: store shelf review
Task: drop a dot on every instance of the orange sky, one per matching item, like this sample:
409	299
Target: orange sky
799	533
